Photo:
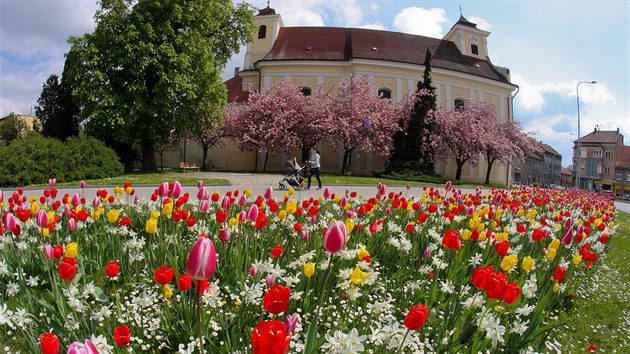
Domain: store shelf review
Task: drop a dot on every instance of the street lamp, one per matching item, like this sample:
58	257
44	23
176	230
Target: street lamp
579	153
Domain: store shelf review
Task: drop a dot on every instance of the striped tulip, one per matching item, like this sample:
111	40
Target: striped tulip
336	237
202	259
42	218
176	191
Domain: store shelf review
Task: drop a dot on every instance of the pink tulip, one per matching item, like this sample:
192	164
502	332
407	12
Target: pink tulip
42	218
72	224
199	183
49	251
388	211
82	184
326	192
9	221
305	235
567	237
291	322
176	191
67	210
408	186
270	280
76	200
253	271
202	259
568	223
242	216
269	193
226	203
81	348
204	206
252	213
163	189
343	201
1	197
136	199
242	201
336	237
313	219
448	186
96	202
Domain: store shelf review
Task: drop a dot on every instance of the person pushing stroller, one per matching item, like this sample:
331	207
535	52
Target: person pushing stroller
315	167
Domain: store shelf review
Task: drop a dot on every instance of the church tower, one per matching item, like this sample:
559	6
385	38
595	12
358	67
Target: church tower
469	39
268	24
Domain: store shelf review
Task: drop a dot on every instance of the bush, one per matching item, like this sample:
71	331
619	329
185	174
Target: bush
35	159
411	171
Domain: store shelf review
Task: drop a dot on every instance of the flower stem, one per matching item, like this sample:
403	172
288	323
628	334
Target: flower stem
199	321
402	344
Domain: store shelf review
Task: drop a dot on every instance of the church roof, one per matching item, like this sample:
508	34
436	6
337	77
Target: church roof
266	11
345	44
464	22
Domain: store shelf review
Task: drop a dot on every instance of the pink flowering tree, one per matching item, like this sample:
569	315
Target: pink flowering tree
280	119
364	121
507	142
461	133
211	134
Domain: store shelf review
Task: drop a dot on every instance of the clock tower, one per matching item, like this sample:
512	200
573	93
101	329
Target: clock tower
469	39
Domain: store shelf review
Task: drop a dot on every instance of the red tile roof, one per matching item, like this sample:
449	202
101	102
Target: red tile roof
602	136
234	90
623	156
345	44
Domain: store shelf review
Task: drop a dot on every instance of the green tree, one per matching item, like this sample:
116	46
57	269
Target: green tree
408	144
12	128
56	109
151	66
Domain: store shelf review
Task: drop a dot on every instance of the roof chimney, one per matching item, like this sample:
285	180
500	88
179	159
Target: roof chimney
236	70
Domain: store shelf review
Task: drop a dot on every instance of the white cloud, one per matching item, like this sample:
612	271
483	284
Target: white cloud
482	24
303	17
318	12
374	6
374	26
531	96
420	21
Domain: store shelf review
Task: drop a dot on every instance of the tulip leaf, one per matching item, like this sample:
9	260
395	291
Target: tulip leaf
312	342
99	295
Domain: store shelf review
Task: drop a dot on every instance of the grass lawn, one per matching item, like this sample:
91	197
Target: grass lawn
601	315
157	177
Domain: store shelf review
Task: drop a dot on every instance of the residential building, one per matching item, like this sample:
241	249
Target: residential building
393	62
30	123
544	168
621	184
597	158
566	179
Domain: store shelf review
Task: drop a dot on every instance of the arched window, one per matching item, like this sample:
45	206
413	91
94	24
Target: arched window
262	32
385	93
306	91
459	103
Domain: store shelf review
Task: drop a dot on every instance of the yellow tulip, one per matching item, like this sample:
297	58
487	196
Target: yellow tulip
151	226
72	250
291	191
95	215
554	244
501	236
551	254
508	262
32	199
576	259
232	222
167	209
498	213
473	223
466	234
482	236
248	193
481	227
285	195
51	217
556	287
168	292
348	206
357	276
597	222
282	214
45	232
34	209
112	215
528	263
129	190
362	253
155	214
309	269
291	207
349	225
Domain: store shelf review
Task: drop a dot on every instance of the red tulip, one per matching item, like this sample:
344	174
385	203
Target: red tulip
480	276
163	275
511	292
276	251
422	217
202	259
184	282
112	269
67	268
495	285
122	336
276	300
336	237
538	234
559	273
502	248
49	343
603	239
451	240
416	317
58	251
261	222
269	337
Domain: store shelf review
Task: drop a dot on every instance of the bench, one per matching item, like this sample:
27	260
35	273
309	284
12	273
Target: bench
185	166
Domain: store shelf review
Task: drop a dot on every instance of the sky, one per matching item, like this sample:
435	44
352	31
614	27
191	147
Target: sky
548	45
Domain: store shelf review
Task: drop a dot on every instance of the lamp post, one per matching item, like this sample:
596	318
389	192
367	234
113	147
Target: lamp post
579	153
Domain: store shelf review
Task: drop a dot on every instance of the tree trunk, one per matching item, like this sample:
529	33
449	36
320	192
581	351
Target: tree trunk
162	160
265	164
305	156
205	149
148	155
490	162
460	165
347	153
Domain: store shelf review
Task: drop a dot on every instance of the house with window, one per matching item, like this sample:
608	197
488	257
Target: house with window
621	184
392	61
597	159
544	168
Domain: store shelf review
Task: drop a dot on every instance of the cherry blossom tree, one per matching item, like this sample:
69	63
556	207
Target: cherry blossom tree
461	133
364	121
507	142
280	119
211	134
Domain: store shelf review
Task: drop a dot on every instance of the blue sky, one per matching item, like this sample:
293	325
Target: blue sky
549	46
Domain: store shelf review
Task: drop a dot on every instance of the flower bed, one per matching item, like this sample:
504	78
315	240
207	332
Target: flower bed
442	271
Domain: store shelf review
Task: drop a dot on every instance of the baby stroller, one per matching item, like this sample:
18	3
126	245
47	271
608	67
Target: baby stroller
292	175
